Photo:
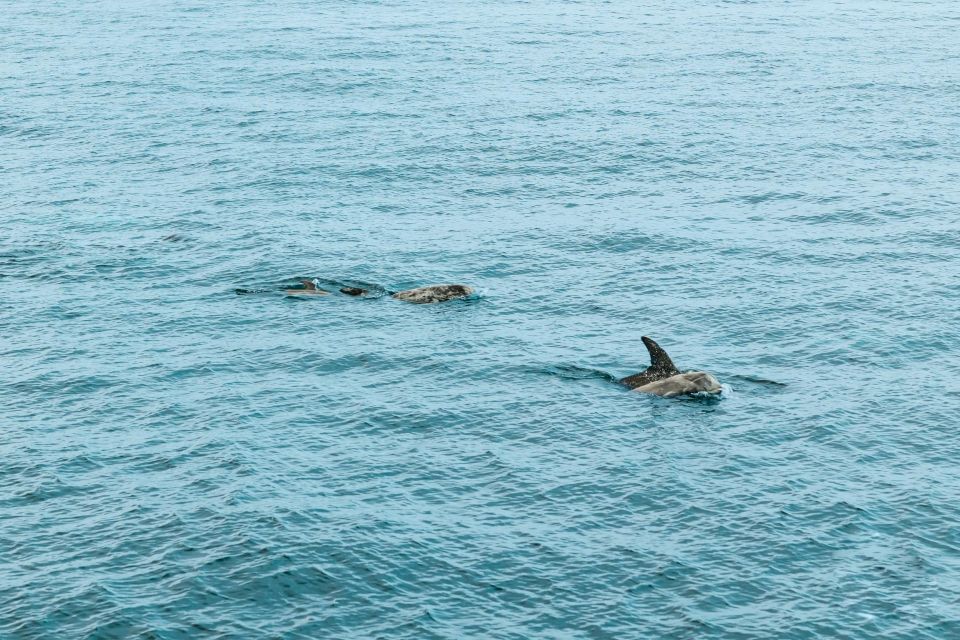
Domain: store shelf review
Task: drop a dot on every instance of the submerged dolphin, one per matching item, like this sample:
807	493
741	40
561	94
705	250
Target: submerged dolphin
421	295
662	378
433	293
310	288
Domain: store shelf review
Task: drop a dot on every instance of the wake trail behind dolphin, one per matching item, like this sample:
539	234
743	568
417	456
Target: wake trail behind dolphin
758	380
574	372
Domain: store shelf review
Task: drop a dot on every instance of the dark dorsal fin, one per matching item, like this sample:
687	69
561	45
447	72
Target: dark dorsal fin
309	285
661	366
659	360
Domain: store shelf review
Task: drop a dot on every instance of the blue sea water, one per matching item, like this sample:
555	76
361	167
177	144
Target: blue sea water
770	189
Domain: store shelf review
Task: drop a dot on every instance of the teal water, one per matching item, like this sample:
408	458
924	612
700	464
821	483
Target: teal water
769	189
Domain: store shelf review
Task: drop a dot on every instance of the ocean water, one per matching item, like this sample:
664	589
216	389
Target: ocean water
770	189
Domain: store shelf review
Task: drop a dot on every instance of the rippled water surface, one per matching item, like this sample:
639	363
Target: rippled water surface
770	189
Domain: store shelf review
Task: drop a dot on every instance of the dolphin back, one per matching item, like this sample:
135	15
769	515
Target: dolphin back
661	366
434	293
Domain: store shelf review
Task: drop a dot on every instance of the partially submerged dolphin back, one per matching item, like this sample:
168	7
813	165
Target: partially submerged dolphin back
662	377
434	293
310	288
421	295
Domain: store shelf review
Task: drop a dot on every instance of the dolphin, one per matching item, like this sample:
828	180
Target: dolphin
433	293
310	288
662	377
421	295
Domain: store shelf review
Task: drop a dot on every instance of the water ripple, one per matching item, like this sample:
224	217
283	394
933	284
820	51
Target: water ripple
769	190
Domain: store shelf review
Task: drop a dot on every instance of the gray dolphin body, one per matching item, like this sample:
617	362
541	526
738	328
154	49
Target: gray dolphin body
662	377
310	288
421	295
434	293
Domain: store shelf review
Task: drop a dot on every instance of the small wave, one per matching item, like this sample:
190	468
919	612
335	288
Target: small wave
758	380
575	372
